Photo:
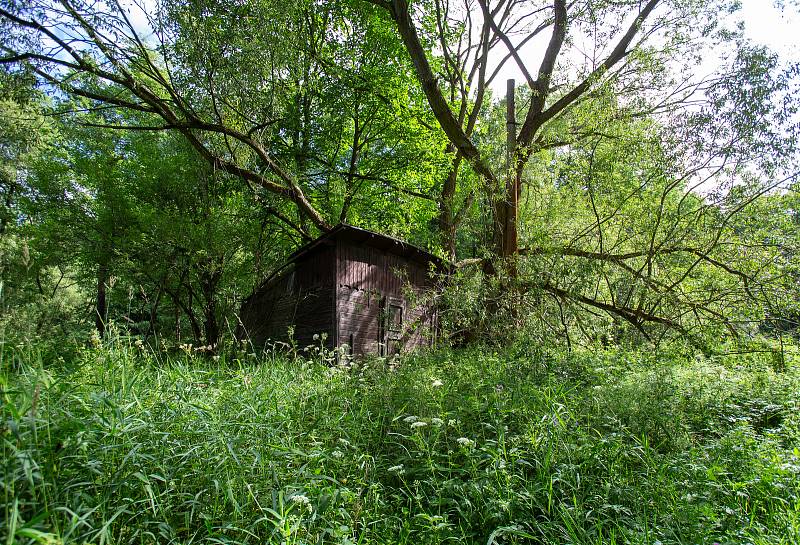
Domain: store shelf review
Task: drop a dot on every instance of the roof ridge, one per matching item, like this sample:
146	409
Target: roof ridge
335	230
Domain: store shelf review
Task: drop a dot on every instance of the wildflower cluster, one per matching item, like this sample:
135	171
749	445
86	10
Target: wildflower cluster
302	500
189	348
465	442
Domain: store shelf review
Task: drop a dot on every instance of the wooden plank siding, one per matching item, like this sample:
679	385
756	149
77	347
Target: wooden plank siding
340	285
302	298
368	277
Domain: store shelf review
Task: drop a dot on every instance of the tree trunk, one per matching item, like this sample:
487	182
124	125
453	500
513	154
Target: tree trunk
511	243
447	215
151	330
210	323
178	323
209	276
506	208
189	310
101	306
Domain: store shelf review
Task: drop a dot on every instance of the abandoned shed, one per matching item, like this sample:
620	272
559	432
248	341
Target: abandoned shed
351	287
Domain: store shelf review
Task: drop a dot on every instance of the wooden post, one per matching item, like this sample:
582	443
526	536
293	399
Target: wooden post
512	185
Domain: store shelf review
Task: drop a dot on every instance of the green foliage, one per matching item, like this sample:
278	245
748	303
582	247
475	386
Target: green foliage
621	224
144	216
325	88
648	205
127	444
170	169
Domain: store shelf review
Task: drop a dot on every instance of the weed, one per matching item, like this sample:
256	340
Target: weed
125	445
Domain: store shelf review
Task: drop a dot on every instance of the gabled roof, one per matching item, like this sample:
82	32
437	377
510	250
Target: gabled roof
371	238
357	236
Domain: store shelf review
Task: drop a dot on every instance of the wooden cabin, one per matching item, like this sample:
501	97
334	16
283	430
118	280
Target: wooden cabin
351	287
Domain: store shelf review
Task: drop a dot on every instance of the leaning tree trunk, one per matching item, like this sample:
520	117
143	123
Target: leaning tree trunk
447	215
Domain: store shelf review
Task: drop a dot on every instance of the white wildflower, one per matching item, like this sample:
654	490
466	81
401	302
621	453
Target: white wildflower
302	500
436	383
418	425
452	422
397	469
437	422
410	419
465	442
316	336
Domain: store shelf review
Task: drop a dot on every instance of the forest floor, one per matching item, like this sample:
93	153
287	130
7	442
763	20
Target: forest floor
124	445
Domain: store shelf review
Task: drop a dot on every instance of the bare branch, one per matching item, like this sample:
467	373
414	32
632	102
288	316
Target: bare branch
535	121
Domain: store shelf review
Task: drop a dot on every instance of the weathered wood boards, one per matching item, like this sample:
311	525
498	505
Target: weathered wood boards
352	286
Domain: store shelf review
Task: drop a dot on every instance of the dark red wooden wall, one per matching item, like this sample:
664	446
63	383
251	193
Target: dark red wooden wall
301	297
369	278
340	287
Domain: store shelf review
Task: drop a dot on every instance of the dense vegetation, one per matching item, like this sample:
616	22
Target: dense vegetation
158	162
617	359
127	445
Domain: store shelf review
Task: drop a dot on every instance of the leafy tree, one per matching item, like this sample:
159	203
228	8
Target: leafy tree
297	100
145	222
313	106
24	134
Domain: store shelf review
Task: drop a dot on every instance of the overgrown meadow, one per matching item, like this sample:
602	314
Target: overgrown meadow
125	445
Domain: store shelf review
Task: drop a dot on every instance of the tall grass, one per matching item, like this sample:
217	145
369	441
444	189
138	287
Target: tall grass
124	445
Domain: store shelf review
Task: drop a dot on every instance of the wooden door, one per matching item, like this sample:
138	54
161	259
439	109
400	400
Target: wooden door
391	326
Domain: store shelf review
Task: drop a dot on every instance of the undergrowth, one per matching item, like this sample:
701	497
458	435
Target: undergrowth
125	445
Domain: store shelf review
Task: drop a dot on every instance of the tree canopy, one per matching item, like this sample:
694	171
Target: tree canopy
625	188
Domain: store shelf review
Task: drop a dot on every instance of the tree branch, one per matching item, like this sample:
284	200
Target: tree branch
447	121
535	121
